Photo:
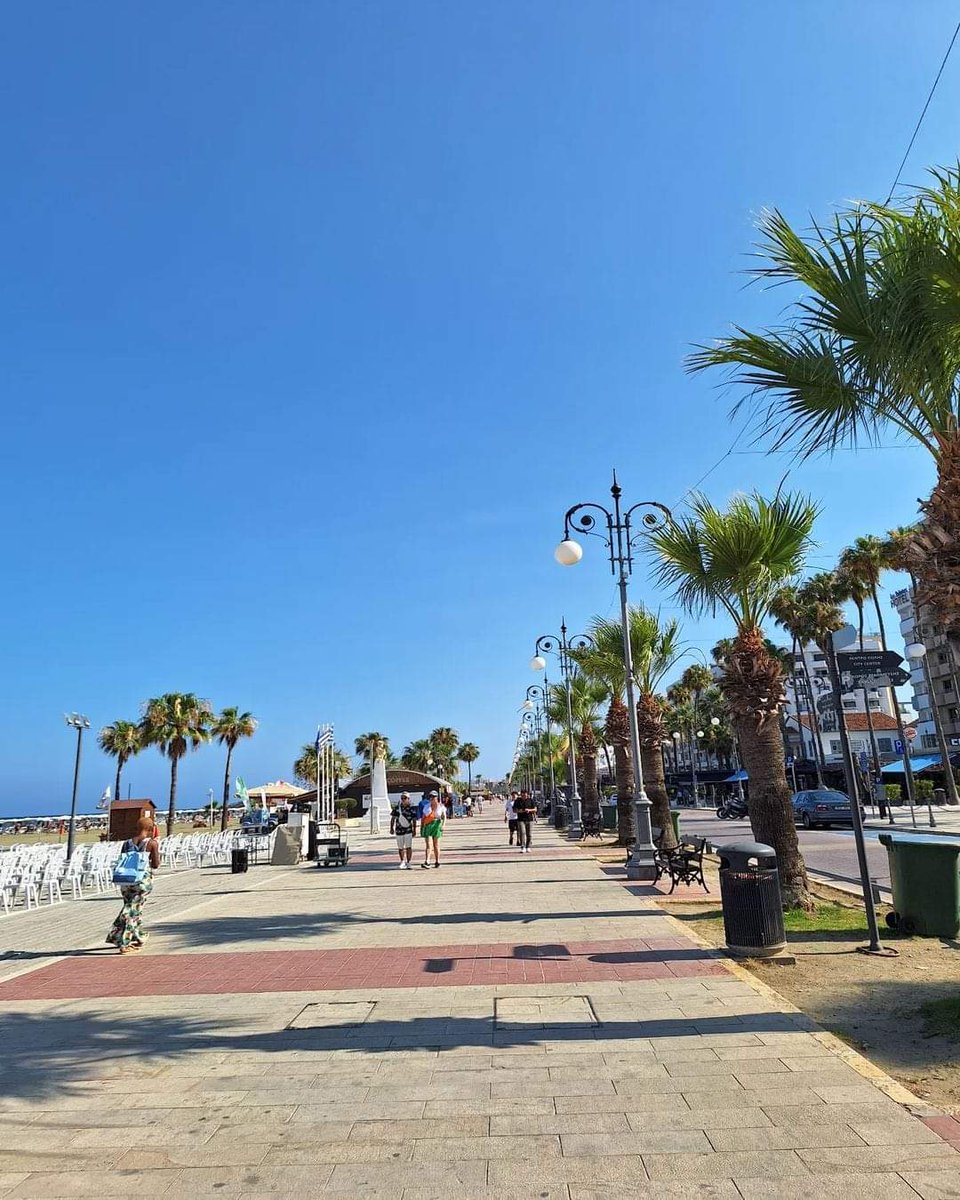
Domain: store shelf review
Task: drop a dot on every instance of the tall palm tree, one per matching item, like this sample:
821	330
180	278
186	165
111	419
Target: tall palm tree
870	346
121	740
305	765
734	560
603	663
370	747
787	610
656	648
228	728
868	558
468	753
851	586
175	723
444	742
418	756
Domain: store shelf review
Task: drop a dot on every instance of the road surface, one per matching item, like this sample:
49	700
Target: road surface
829	853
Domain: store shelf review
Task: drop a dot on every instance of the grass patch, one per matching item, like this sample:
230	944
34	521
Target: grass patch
825	918
941	1018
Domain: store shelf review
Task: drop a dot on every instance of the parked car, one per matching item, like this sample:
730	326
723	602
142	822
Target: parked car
822	807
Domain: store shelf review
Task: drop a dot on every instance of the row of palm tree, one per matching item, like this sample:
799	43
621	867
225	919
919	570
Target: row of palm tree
175	723
437	754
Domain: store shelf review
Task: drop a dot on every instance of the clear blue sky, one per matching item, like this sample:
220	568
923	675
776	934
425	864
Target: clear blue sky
318	316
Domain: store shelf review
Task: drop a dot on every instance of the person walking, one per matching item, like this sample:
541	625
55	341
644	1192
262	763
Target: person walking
510	815
403	823
126	933
431	827
526	810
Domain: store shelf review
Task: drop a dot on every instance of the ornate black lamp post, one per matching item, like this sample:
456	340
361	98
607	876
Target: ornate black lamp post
549	643
616	531
536	702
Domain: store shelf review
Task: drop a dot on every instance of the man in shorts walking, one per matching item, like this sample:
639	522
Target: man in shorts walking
403	823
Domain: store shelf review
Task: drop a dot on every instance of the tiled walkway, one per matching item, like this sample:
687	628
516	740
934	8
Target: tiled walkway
510	1026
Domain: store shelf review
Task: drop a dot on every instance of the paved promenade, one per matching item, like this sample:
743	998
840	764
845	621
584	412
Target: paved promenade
508	1026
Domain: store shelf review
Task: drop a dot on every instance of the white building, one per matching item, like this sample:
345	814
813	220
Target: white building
943	675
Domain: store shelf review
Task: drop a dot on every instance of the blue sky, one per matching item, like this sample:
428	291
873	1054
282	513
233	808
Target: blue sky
318	316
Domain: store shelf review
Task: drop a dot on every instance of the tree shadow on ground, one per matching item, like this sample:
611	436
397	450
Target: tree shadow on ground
226	933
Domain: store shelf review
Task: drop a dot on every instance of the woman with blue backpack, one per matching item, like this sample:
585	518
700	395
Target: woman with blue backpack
138	860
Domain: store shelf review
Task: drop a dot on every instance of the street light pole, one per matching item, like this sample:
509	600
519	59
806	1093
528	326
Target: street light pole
549	643
79	723
620	539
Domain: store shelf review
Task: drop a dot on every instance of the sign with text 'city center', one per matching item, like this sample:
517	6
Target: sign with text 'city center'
870	669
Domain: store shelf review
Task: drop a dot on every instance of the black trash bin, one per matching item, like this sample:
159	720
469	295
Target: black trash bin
561	816
239	860
752	908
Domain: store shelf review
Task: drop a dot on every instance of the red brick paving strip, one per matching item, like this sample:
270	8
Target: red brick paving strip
332	970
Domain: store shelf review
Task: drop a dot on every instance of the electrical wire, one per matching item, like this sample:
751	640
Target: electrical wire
923	113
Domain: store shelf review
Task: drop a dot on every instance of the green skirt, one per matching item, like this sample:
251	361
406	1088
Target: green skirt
432	829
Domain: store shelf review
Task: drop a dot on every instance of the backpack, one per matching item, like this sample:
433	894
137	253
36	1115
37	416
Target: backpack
132	866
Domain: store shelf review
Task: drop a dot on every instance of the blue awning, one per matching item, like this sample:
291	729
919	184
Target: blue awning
920	763
737	777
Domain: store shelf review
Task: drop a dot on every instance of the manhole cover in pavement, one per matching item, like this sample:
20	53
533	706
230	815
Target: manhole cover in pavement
543	1012
333	1014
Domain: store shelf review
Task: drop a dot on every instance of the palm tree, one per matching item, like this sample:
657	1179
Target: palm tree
305	765
735	560
656	649
468	753
870	346
603	663
418	756
444	742
788	611
228	729
175	723
370	747
850	586
121	740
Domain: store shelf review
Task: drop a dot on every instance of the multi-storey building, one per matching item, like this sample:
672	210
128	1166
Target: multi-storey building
943	674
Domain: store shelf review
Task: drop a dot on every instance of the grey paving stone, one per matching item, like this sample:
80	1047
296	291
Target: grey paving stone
596	1170
771	1138
827	1187
713	1118
932	1156
932	1184
767	1164
649	1141
528	1147
453	1126
456	1178
555	1124
724	1190
636	1102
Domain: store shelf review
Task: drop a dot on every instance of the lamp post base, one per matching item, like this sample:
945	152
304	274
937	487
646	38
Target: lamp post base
641	865
575	815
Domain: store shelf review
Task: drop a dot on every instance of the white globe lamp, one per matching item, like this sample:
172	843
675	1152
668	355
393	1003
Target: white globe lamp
568	553
537	663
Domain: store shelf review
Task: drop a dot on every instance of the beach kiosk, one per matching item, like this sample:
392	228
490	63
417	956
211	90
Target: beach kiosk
125	816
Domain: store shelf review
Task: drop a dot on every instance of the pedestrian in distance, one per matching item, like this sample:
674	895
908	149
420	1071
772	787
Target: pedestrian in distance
526	810
431	827
510	815
126	933
403	824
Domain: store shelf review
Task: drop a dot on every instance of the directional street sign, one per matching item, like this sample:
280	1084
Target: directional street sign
870	669
826	704
868	662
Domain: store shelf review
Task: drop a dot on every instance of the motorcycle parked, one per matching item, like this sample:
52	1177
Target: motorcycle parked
732	809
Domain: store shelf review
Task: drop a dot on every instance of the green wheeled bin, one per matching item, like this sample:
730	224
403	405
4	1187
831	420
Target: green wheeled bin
609	813
925	875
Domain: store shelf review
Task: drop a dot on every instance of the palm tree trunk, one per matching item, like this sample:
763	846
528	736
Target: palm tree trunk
901	732
626	832
948	779
819	758
591	793
651	761
172	810
771	813
116	786
226	789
